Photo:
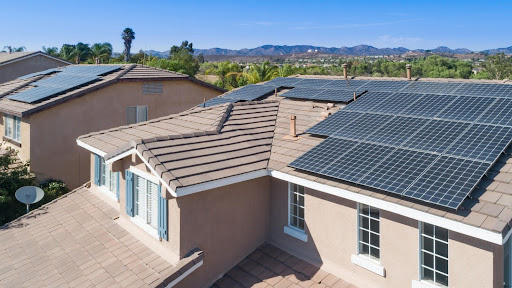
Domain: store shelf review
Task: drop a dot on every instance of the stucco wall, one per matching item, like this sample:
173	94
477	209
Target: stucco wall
227	223
26	66
53	132
331	226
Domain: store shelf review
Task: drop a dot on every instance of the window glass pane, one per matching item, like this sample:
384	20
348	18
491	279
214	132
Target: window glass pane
153	205
374	240
374	252
364	249
428	244
442	249
301	224
428	229
365	210
296	204
428	260
427	274
17	128
374	226
364	222
301	189
293	210
142	113
301	200
365	237
374	213
441	265
442	234
301	212
293	221
131	115
442	279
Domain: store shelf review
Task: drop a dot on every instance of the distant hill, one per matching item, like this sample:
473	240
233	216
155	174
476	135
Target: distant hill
359	50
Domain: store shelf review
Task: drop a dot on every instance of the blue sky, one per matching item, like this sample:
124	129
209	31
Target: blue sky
476	25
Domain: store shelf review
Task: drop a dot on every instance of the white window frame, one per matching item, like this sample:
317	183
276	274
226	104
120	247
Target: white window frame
421	250
369	231
137	120
14	125
104	168
290	229
141	220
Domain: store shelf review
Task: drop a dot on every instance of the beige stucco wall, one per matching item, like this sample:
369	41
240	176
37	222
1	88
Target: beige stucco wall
331	226
26	66
53	132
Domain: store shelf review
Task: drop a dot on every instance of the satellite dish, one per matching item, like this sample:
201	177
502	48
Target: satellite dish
29	195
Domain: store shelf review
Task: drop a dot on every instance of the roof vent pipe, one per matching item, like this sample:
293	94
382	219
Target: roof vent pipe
275	92
293	126
344	70
408	67
354	95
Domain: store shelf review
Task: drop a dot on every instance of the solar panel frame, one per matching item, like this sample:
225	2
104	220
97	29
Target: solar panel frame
216	101
45	72
250	92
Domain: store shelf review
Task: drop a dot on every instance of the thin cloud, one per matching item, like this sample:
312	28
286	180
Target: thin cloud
353	25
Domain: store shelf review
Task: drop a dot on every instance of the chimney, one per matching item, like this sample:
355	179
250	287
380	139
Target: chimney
344	70
293	126
408	66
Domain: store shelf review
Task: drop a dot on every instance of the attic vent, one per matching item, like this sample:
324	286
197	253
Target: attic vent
151	88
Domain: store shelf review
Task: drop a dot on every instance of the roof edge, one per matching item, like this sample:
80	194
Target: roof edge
35	54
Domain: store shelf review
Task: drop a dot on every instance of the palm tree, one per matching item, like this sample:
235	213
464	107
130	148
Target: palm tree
100	51
285	70
260	73
223	70
15	49
53	51
128	35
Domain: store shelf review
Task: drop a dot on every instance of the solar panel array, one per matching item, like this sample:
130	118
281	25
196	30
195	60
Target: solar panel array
336	95
430	147
216	101
45	72
65	79
250	92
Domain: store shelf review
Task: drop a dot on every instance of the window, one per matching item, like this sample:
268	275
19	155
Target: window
296	206
108	179
12	127
369	232
146	201
434	254
136	114
149	88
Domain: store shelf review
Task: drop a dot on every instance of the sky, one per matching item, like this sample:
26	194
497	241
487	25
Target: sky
476	25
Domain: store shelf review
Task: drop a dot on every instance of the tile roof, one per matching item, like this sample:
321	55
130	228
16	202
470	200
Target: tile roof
269	266
5	58
128	72
75	241
490	207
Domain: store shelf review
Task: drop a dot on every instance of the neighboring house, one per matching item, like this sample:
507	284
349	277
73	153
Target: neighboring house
215	183
44	113
17	64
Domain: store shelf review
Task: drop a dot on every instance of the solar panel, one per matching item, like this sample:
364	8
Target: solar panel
216	101
500	113
66	81
369	101
466	108
302	92
431	87
283	82
385	86
482	142
250	92
334	123
313	83
90	70
489	90
396	103
334	95
365	125
45	72
436	136
428	105
447	181
397	130
345	84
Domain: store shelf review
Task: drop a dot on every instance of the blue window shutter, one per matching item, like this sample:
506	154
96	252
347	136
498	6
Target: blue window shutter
117	184
97	169
129	193
162	215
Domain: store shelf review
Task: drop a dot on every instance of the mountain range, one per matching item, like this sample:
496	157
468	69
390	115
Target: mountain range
359	50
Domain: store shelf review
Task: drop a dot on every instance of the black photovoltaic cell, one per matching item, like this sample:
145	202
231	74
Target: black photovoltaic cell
369	101
320	156
216	101
397	172
312	83
396	102
250	92
500	113
482	142
436	136
447	181
397	130
466	108
428	105
302	92
345	84
384	86
365	125
283	82
357	162
431	87
488	90
335	122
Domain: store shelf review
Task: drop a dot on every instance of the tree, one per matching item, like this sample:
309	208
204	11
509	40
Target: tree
100	52
185	46
285	70
498	65
12	49
53	51
128	36
66	52
183	58
228	74
261	73
200	58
